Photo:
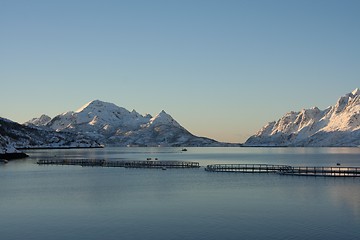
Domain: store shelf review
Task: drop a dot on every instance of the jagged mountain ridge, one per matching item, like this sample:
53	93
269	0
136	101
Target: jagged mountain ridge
41	121
338	125
14	135
110	124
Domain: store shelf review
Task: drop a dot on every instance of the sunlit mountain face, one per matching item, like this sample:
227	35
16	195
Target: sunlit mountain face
338	125
110	124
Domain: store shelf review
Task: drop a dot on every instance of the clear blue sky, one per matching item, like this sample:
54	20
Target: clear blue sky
222	69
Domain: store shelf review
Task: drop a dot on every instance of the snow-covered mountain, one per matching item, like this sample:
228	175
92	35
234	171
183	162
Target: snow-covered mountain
6	145
14	136
41	121
338	125
113	125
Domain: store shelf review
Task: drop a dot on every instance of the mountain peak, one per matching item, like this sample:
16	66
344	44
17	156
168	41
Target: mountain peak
338	125
163	115
356	92
164	118
108	123
41	121
92	104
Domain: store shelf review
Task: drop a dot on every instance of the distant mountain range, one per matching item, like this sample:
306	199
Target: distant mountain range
100	123
336	126
112	125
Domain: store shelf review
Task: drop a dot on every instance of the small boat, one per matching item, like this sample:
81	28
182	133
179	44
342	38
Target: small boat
163	168
3	161
184	149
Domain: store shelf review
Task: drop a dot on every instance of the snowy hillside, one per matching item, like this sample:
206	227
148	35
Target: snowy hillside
338	125
41	121
14	136
6	145
113	125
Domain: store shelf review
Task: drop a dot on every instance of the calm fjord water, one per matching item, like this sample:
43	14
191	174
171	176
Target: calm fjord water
72	202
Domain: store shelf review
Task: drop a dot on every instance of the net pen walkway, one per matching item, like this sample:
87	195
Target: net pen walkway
246	168
122	163
322	171
286	170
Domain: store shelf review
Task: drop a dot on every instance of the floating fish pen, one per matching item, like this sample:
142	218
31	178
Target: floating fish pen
322	171
79	162
161	164
246	168
239	168
286	170
126	164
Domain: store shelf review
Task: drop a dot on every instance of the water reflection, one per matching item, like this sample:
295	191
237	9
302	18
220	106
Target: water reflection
346	194
73	202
